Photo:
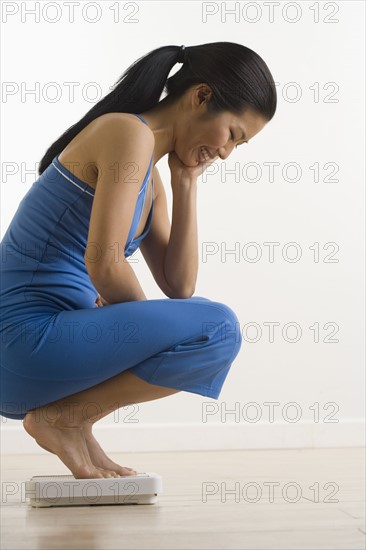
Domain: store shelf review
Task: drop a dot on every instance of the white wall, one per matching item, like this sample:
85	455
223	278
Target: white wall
317	133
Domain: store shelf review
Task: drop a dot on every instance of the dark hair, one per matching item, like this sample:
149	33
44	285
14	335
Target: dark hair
238	77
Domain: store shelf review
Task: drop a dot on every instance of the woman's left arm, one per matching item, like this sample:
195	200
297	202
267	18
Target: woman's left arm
181	259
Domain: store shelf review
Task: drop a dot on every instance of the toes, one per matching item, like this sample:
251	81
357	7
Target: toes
108	473
129	473
123	471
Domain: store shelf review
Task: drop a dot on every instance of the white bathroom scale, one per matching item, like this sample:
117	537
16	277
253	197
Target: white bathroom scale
66	490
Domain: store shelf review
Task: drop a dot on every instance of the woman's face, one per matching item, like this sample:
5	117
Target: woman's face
219	134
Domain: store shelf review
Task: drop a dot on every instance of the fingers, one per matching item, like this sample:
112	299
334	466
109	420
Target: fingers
98	301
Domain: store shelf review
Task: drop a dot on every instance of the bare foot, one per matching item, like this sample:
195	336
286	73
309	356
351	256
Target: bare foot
98	456
106	473
67	442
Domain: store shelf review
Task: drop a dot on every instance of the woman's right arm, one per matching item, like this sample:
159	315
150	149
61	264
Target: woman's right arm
122	156
119	285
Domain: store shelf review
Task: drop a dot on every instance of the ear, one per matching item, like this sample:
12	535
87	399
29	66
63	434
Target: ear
204	93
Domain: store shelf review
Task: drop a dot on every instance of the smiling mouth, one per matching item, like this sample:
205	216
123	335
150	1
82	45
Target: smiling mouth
204	155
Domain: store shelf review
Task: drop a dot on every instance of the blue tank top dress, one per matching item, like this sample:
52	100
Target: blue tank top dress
43	249
56	342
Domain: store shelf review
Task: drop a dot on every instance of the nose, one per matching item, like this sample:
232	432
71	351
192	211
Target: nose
225	151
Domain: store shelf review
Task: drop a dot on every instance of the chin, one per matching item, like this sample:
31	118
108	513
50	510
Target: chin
196	161
190	164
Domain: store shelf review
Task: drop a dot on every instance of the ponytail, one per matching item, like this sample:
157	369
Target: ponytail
238	76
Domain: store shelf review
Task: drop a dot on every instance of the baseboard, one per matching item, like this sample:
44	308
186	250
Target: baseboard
200	436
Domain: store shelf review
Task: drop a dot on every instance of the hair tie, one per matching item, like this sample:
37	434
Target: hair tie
182	54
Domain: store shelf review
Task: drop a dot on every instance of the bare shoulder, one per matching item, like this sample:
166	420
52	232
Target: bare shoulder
105	140
122	125
118	133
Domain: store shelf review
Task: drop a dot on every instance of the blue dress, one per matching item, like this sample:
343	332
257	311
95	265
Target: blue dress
56	342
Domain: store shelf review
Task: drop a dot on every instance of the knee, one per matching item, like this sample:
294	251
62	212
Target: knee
199	299
228	313
231	324
225	309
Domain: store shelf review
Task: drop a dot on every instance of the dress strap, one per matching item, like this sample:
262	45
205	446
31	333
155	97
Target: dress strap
140	117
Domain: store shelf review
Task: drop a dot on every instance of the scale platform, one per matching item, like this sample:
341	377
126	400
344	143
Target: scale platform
66	490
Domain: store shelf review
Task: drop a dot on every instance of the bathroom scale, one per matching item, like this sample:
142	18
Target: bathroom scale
66	490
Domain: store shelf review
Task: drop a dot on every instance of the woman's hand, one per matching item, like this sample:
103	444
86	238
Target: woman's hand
180	172
100	302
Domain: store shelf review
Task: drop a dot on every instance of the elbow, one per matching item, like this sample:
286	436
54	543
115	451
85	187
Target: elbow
93	272
98	274
176	293
183	294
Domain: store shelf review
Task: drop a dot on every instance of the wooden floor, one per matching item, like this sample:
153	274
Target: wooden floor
302	518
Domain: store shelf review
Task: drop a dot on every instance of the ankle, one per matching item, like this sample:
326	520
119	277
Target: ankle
88	428
57	415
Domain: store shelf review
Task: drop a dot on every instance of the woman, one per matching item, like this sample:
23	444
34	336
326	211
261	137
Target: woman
79	337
